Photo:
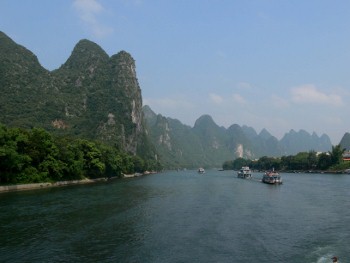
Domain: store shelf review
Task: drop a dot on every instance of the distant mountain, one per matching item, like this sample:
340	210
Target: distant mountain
264	134
207	144
294	142
345	141
91	95
212	140
176	144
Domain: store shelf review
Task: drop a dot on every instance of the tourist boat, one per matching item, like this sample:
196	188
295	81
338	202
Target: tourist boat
245	172
201	170
272	177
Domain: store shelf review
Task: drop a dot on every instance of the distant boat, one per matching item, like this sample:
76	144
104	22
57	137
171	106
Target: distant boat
272	177
201	170
245	172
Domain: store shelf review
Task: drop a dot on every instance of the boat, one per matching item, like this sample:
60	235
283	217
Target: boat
245	172
272	177
201	170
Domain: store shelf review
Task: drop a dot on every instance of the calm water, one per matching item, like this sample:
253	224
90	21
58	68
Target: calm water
180	217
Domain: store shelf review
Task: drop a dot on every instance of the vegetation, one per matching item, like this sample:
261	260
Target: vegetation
91	96
303	161
31	156
206	144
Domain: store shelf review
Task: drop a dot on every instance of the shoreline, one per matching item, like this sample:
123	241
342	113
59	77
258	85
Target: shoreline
35	186
45	185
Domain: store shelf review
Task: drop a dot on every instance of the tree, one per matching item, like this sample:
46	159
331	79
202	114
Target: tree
44	155
324	161
93	165
228	165
286	162
300	161
71	157
312	160
13	158
139	164
268	163
239	163
112	160
336	154
36	156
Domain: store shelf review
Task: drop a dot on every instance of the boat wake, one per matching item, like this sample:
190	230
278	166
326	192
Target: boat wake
326	259
324	254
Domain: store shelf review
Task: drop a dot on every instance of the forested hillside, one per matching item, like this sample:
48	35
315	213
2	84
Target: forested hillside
91	96
31	156
209	145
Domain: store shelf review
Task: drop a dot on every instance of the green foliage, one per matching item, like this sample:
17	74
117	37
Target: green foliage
13	158
336	154
92	156
236	164
268	163
91	96
207	144
264	163
37	156
343	165
303	161
324	161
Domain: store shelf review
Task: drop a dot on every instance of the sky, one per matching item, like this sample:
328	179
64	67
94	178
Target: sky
274	64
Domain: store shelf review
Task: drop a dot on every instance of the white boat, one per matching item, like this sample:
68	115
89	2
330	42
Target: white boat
201	170
272	177
244	172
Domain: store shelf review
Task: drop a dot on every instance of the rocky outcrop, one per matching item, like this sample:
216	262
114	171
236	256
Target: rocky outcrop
91	95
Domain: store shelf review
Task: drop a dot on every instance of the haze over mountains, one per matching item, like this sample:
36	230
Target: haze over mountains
98	97
208	144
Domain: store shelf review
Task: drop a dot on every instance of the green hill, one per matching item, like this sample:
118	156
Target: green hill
91	95
208	145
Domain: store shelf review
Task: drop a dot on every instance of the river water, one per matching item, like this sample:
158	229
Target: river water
181	217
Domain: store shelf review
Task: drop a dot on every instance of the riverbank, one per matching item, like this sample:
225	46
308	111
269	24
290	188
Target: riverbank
34	186
24	187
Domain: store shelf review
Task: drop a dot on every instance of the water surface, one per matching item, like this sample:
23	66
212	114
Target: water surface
180	217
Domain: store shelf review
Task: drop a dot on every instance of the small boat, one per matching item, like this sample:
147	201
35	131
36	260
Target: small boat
245	172
272	177
201	170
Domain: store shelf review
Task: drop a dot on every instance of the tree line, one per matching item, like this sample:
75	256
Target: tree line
303	161
32	156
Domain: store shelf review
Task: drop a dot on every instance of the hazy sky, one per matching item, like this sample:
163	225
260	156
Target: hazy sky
274	64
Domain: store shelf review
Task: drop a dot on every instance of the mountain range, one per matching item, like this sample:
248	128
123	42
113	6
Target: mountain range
96	96
207	144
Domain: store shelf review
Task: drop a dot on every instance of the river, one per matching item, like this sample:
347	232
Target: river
181	217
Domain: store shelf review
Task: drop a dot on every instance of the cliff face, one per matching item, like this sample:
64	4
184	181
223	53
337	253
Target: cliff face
128	99
91	95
